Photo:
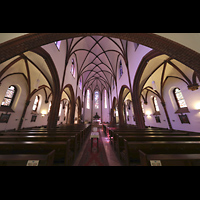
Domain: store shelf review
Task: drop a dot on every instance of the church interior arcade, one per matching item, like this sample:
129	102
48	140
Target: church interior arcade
139	79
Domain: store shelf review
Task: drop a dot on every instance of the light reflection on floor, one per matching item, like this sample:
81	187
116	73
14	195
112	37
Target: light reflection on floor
111	156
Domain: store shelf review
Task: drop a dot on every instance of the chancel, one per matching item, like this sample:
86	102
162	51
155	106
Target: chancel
96	116
138	91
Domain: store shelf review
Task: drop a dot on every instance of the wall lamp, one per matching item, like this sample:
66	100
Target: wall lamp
43	113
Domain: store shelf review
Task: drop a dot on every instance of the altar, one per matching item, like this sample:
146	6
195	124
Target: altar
96	119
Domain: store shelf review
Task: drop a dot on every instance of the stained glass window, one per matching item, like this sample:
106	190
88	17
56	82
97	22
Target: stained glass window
179	98
35	104
73	71
57	43
105	99
88	99
120	69
96	100
156	104
9	96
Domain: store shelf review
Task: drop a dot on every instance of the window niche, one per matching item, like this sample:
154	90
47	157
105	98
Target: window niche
8	99
73	68
156	107
58	43
120	69
180	101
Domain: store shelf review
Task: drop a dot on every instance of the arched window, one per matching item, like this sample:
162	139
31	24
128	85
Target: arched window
88	99
156	107
105	99
9	96
120	69
57	43
142	105
80	83
179	98
36	103
113	83
96	100
60	109
73	70
49	106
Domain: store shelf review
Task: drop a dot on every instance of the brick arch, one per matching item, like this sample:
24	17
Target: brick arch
175	50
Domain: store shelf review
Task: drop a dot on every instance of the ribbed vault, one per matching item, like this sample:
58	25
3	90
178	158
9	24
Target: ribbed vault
97	58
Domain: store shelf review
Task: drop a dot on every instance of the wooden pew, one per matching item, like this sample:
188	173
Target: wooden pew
145	131
62	149
69	135
131	153
104	128
119	145
21	159
73	144
76	141
169	159
82	130
80	134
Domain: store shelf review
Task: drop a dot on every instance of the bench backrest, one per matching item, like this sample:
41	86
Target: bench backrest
169	159
21	159
161	147
62	149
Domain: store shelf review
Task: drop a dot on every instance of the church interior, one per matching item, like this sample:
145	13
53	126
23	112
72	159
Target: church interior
139	92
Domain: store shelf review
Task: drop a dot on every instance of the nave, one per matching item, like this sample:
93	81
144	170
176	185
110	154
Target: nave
103	156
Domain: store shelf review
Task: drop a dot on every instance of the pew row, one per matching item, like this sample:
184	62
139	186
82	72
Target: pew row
169	159
119	145
62	149
74	146
22	159
131	151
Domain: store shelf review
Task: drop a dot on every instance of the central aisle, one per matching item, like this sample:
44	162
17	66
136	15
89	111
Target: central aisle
105	155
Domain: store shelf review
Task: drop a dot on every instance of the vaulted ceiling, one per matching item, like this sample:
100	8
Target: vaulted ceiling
97	58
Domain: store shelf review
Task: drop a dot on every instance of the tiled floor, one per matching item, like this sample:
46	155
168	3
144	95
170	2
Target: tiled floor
111	156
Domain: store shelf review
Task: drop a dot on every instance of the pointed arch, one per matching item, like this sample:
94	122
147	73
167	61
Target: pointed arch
72	104
136	93
122	95
56	94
